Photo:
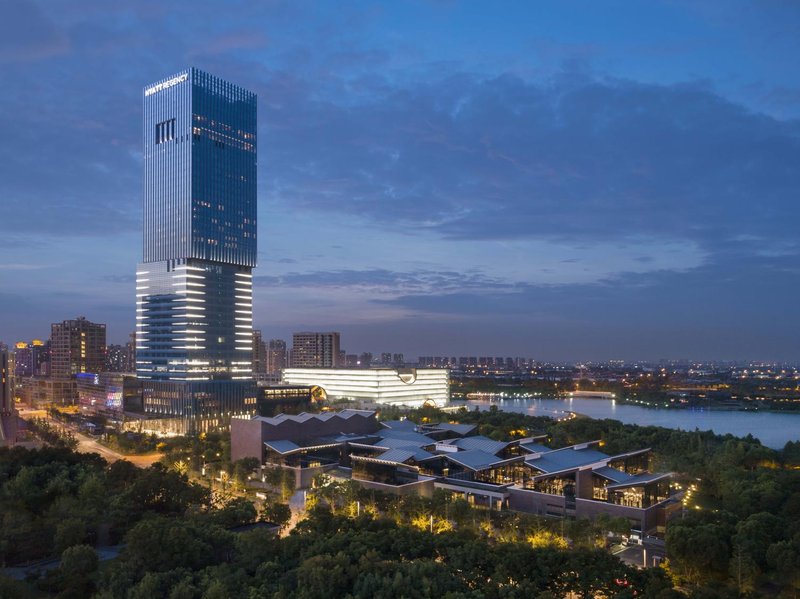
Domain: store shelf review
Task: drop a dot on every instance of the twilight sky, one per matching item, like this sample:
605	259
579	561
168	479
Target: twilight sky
562	180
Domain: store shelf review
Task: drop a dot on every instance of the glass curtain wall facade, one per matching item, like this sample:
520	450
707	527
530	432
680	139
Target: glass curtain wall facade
194	286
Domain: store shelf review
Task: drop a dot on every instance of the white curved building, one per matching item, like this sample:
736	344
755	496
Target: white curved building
403	386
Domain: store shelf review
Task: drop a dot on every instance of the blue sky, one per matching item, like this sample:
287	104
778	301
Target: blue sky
562	180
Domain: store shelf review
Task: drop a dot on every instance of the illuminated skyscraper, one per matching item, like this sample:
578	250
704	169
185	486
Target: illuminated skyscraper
194	287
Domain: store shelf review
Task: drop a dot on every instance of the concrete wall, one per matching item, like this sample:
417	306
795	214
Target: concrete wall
586	508
246	439
534	502
423	488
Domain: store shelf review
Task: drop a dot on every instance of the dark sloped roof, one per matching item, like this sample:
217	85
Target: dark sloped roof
353	437
396	455
461	429
565	459
391	442
410	436
400	425
535	447
323	417
474	459
640	479
612	474
481	443
282	445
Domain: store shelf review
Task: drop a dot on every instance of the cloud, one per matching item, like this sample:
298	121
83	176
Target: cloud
668	208
26	34
20	266
384	280
579	158
128	278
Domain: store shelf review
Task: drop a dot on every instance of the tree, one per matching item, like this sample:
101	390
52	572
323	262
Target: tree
744	570
160	544
243	468
69	532
277	513
74	576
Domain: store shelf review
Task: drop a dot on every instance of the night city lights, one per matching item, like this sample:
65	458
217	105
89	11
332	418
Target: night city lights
399	299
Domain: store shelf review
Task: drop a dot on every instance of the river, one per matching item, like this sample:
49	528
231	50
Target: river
774	429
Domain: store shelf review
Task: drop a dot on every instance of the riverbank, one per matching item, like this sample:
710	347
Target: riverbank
773	429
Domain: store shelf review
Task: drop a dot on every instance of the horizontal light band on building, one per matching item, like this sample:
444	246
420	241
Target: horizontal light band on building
142	272
186	267
142	280
243	311
244	305
243	274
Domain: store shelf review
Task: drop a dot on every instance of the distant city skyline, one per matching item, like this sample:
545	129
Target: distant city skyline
589	181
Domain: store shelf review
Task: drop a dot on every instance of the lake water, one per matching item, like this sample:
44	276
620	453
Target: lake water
772	428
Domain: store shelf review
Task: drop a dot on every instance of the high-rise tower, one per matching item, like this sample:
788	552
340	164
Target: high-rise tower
194	307
76	346
315	350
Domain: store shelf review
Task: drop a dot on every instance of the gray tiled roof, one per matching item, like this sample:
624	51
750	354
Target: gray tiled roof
393	442
461	429
323	417
474	459
565	459
481	443
282	445
396	455
400	425
612	474
535	447
640	479
410	436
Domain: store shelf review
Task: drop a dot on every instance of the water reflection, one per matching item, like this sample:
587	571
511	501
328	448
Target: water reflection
773	429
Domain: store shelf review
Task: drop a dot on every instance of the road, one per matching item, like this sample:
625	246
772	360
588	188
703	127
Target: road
86	444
